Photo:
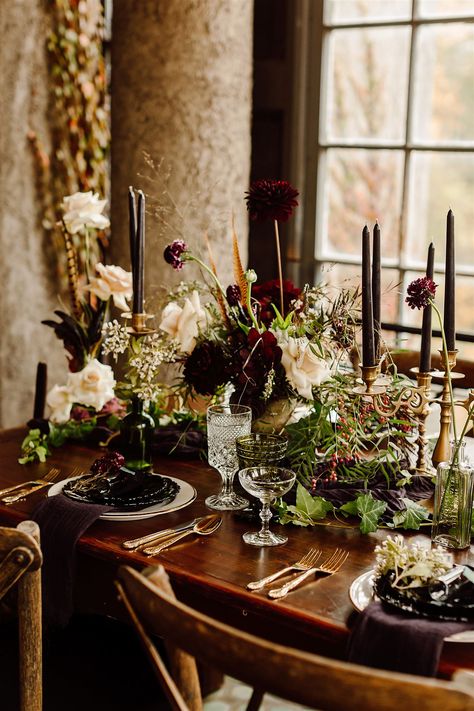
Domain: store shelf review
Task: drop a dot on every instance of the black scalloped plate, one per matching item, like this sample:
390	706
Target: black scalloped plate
154	489
418	602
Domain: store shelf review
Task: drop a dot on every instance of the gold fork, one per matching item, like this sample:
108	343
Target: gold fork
330	566
54	472
307	561
48	480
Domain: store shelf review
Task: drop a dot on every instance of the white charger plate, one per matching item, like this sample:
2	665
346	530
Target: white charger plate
185	497
361	593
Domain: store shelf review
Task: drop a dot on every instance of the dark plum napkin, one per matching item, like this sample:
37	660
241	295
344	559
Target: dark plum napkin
399	642
62	522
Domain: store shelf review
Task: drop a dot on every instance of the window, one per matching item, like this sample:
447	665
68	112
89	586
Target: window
388	135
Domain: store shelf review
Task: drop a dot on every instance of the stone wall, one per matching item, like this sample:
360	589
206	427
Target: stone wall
181	92
27	292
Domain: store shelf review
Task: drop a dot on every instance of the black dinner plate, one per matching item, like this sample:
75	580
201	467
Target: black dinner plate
416	601
153	489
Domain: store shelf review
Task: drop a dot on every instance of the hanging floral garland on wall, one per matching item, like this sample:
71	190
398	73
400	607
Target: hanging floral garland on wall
79	119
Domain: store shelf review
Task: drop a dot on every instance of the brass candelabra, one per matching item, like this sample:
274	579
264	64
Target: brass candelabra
416	398
139	327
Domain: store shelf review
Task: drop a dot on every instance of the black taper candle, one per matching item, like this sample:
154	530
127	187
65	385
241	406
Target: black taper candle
40	390
425	347
132	224
376	289
368	344
139	262
449	299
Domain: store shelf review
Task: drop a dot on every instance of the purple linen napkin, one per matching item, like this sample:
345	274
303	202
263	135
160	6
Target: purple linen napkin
62	522
399	642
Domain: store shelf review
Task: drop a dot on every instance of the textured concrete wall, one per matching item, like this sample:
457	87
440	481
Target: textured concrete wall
181	91
27	293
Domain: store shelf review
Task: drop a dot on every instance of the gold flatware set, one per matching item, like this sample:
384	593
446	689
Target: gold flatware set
331	565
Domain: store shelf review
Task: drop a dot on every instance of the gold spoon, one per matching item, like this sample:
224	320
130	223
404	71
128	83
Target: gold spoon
202	528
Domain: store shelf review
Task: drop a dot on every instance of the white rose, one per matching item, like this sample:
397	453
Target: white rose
303	367
84	210
92	386
60	401
183	324
112	282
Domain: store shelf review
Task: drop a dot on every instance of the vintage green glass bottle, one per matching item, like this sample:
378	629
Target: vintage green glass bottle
136	434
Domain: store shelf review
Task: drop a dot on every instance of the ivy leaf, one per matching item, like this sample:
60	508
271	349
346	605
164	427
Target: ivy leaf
411	516
369	510
315	507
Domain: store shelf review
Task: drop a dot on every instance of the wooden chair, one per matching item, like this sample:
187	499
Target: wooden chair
20	563
308	679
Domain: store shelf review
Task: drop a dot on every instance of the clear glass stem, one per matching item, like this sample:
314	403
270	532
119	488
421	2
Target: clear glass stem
227	484
265	516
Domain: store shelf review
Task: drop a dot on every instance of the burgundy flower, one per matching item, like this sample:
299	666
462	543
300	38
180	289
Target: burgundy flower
266	346
268	293
233	294
110	462
271	200
206	368
419	292
173	252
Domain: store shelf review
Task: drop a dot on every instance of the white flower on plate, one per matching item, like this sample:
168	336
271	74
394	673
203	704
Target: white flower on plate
183	324
112	282
60	401
92	386
84	210
303	368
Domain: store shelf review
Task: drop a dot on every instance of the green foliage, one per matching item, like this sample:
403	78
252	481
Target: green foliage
34	447
369	509
307	511
412	516
37	446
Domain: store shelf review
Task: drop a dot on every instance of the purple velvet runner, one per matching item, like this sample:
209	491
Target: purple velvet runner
62	522
399	642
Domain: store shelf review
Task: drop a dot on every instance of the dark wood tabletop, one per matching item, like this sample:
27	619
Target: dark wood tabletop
211	573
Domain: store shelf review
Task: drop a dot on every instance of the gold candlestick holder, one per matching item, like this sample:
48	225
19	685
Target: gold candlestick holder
139	327
370	373
441	452
423	381
415	398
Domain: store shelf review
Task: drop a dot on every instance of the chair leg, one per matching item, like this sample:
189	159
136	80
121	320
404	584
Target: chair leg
183	666
255	700
30	635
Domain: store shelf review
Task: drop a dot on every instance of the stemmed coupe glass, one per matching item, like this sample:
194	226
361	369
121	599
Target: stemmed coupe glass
224	424
266	483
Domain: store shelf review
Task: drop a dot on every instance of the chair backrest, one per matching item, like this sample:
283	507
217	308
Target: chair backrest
308	679
20	564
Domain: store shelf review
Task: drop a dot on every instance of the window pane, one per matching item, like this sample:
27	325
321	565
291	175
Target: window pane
437	8
367	84
366	10
360	187
444	85
440	181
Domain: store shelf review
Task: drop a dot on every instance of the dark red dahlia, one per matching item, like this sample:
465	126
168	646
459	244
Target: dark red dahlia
173	252
233	294
206	368
271	200
110	462
254	358
268	293
419	292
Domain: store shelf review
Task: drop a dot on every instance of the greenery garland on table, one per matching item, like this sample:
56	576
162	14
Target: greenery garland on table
80	135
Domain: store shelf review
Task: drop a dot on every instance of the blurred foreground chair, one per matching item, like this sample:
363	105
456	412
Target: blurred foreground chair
20	564
308	679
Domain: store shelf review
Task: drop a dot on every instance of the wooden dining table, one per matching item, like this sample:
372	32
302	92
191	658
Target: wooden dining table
211	573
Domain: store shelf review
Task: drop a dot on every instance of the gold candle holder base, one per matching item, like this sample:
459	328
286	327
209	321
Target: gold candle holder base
370	374
139	327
